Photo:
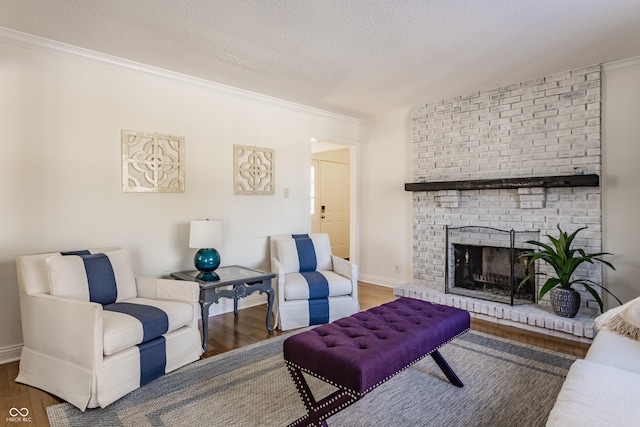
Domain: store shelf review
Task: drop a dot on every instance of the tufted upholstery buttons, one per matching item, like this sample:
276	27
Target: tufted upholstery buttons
388	339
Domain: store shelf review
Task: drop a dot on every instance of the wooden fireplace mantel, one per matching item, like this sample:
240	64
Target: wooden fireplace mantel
590	180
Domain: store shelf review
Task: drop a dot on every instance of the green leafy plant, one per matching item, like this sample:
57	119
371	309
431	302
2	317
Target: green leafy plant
565	260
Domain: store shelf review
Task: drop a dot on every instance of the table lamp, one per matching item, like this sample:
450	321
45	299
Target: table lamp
206	235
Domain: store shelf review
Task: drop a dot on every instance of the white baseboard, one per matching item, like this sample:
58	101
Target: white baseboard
226	304
382	281
10	354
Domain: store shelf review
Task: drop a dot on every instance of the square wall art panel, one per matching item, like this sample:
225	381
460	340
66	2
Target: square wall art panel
253	169
152	162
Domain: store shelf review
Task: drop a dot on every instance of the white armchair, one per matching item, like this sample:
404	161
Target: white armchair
93	332
312	285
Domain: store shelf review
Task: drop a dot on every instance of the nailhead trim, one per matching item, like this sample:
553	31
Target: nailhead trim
309	400
358	394
314	409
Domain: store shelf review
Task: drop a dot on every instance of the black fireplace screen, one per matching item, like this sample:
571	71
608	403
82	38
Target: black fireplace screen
491	268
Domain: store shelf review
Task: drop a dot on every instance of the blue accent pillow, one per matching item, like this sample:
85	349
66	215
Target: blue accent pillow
104	278
305	254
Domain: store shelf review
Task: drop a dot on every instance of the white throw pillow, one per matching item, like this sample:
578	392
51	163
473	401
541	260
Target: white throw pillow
288	253
623	320
104	277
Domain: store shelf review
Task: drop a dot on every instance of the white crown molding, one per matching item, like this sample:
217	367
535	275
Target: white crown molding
29	41
622	65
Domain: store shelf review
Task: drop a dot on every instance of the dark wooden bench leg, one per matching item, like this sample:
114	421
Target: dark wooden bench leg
446	369
318	412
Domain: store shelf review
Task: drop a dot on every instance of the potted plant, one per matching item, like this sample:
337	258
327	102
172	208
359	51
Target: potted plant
565	260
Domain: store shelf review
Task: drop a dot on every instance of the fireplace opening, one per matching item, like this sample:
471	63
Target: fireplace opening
485	263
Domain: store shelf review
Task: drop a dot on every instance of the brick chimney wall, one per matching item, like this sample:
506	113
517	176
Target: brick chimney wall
541	127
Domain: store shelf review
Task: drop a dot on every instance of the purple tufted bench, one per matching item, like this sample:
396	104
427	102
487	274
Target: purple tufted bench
358	353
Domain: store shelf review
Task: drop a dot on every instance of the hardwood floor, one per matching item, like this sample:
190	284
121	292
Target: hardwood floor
228	333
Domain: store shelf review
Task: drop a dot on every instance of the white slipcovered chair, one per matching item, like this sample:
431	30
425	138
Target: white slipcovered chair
93	332
312	285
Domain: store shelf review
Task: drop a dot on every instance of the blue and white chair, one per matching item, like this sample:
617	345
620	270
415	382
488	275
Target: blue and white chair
312	285
93	332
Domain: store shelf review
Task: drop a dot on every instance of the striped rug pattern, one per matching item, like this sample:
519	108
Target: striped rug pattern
506	384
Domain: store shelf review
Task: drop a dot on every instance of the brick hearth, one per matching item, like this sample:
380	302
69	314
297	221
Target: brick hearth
527	316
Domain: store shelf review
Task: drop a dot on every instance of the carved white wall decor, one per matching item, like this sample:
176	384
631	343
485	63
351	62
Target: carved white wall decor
253	169
152	162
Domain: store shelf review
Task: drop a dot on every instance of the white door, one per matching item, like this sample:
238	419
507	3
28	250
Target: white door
333	205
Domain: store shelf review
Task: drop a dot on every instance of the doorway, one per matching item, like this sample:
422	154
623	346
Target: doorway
331	195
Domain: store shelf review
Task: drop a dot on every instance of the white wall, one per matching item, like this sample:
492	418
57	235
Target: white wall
621	179
60	119
385	207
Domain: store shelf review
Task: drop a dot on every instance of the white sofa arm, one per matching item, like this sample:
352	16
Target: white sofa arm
172	290
63	328
168	289
612	349
344	267
276	268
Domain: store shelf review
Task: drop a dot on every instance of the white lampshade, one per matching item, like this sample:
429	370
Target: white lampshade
206	234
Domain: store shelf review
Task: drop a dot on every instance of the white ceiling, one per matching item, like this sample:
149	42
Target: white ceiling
360	58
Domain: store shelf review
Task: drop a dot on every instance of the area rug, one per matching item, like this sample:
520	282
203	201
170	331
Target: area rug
506	384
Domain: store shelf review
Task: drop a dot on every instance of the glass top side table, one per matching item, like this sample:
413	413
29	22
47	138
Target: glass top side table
235	282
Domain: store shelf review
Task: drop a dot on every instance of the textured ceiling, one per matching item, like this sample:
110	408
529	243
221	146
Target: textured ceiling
359	58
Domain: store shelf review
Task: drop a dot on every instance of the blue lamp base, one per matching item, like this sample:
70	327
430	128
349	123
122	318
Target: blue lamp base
206	261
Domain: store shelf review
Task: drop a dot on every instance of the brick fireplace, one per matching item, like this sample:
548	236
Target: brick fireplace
485	263
544	127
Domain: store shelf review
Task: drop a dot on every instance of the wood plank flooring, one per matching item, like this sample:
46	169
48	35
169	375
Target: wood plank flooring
228	333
